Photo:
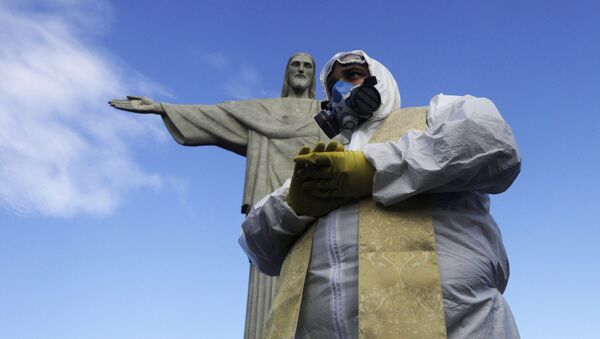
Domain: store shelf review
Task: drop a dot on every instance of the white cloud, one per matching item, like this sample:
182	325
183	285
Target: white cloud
63	150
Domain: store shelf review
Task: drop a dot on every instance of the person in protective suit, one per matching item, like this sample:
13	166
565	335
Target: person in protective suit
389	236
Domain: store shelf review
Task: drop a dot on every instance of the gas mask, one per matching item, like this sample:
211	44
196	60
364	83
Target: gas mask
349	107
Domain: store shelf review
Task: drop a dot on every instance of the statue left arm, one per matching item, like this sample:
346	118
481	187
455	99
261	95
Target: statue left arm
467	147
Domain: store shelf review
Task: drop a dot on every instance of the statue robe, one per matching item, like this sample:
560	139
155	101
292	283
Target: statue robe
269	133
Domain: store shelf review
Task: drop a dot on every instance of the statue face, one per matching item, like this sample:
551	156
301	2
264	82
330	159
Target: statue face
300	72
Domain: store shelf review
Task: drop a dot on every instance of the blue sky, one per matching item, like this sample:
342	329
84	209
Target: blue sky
110	229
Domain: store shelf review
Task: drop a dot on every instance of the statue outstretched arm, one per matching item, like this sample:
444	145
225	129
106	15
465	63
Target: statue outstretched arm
198	125
192	125
137	104
228	124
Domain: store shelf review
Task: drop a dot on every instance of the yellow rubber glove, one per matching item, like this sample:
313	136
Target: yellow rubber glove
346	174
300	200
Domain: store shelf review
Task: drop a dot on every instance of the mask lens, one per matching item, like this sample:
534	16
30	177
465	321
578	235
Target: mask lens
351	59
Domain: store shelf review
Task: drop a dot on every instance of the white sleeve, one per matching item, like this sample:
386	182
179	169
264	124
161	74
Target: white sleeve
466	147
270	230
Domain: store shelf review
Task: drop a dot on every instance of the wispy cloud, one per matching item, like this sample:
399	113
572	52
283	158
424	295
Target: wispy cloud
246	84
215	59
239	81
62	150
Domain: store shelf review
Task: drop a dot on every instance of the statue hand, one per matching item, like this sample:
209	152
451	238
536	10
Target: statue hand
137	104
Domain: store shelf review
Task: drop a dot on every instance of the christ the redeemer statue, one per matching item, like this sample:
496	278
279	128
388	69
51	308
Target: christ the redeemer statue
268	132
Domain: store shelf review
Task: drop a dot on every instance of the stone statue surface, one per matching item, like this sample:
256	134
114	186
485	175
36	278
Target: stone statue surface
268	132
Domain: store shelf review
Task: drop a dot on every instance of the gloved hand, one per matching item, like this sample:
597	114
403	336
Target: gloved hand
299	199
345	174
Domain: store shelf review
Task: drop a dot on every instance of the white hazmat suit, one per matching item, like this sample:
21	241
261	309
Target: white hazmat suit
466	152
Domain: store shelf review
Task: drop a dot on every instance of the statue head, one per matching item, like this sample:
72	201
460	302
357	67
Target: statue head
299	80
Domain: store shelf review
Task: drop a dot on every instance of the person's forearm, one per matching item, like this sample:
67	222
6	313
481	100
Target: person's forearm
269	231
468	148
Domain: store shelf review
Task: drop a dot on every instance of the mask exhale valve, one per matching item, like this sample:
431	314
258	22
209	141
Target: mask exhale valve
349	107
